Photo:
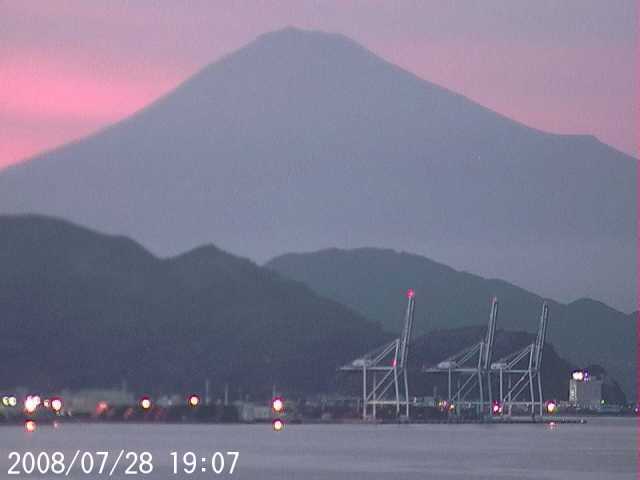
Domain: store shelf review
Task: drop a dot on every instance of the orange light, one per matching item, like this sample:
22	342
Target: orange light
145	403
578	376
31	404
101	407
30	426
194	401
551	406
278	425
277	404
56	404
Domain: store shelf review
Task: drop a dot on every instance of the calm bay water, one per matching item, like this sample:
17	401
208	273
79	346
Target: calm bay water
600	449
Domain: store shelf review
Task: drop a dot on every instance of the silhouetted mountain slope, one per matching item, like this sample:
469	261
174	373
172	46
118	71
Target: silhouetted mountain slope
305	140
79	309
370	280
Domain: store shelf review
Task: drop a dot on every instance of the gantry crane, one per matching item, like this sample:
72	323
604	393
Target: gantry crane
525	367
384	368
471	367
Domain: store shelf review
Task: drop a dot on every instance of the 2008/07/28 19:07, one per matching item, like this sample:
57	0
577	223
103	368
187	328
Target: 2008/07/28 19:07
132	463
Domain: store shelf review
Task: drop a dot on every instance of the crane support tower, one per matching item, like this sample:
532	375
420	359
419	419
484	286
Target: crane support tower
471	369
384	370
522	372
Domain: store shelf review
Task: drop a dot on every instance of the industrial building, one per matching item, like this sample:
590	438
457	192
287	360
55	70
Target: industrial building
585	391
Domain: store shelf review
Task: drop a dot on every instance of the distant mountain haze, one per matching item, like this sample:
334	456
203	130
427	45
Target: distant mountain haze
370	281
305	140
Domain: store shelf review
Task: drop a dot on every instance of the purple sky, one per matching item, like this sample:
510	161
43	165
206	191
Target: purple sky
71	67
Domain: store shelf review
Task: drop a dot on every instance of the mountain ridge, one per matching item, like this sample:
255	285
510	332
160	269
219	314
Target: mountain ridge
443	267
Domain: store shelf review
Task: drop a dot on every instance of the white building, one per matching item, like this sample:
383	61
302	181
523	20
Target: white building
585	391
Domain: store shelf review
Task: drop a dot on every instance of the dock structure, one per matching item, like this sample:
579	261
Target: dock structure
471	369
384	370
522	371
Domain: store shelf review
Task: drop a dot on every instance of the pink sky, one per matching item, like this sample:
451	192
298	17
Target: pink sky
68	68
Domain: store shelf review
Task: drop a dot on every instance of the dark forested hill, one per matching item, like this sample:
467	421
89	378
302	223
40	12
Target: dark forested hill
78	308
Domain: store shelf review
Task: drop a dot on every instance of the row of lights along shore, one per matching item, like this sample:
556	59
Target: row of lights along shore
31	404
550	406
146	403
277	406
55	404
